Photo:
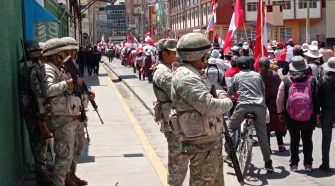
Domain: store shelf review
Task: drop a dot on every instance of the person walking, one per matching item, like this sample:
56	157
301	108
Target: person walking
198	113
272	81
297	106
96	60
326	92
80	61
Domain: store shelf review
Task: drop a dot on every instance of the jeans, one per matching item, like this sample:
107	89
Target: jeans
279	136
307	143
327	123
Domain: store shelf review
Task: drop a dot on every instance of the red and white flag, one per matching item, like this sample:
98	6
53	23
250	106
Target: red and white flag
261	41
236	21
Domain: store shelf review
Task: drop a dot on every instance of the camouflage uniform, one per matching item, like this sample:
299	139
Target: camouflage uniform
79	130
197	109
38	144
177	161
62	127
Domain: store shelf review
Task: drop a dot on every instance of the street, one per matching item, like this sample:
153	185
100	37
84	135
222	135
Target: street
130	150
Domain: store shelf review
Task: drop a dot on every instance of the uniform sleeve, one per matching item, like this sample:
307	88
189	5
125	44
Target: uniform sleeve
51	88
234	86
195	93
280	98
164	82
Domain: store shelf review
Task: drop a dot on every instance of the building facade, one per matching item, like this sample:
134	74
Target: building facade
192	15
116	22
136	14
97	16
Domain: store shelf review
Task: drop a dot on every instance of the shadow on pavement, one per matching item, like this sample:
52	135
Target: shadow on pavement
254	175
84	157
316	173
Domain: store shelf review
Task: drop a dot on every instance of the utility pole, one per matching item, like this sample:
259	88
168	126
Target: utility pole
94	26
308	21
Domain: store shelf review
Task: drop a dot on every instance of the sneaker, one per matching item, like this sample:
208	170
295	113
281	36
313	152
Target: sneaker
281	148
308	168
268	166
324	167
293	168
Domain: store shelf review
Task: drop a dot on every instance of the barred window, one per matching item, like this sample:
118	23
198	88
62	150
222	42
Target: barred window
285	33
252	6
286	4
303	4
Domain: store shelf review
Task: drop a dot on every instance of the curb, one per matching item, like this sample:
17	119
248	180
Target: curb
129	87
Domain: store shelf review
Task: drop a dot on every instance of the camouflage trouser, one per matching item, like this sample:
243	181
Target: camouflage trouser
206	165
63	129
38	144
177	161
79	143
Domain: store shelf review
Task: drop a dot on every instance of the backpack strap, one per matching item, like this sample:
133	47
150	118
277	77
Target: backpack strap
287	83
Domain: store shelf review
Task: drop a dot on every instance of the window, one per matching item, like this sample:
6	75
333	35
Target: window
285	33
252	6
303	4
286	4
241	34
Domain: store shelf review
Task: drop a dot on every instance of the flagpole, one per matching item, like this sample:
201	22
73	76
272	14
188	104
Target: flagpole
262	25
245	31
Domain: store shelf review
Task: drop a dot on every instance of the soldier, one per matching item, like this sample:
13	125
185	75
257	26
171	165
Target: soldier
177	161
198	113
72	50
30	91
64	108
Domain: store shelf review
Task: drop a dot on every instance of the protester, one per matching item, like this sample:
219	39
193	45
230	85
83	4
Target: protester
298	92
272	81
326	53
326	92
313	59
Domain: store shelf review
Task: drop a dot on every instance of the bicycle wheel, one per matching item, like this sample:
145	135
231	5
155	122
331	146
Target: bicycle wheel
244	152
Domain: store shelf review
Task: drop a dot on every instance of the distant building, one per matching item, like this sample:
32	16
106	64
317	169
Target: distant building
116	22
98	21
136	18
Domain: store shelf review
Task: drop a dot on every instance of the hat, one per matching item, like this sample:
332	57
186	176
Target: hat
229	54
160	44
315	43
330	65
215	54
274	43
170	44
297	48
71	43
235	48
245	46
313	52
53	46
298	64
305	47
269	49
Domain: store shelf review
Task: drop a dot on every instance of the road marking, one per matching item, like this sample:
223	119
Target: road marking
149	150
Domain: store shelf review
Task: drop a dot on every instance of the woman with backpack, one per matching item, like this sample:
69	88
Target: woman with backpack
297	106
326	92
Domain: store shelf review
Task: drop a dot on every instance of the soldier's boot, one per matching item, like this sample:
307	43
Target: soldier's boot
43	179
75	178
69	181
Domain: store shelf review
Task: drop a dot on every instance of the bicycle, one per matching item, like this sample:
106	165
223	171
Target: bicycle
245	142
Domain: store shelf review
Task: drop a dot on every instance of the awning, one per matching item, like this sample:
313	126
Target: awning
40	14
34	13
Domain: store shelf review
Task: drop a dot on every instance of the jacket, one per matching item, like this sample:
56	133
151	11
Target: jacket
326	93
281	101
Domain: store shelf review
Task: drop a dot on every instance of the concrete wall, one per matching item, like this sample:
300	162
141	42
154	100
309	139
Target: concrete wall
13	151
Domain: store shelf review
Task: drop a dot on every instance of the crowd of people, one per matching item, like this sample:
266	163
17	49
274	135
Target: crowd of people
89	58
293	87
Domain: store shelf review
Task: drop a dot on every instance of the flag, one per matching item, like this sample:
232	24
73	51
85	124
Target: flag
218	39
235	22
261	35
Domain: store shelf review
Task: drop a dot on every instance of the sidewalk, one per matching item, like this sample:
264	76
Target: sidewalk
115	155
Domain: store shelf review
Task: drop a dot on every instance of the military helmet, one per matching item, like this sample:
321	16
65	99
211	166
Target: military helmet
71	43
193	46
32	48
53	46
160	44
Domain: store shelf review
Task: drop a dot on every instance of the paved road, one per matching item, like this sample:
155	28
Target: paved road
257	175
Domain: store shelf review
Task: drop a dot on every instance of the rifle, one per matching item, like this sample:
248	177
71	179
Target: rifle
231	146
69	67
41	121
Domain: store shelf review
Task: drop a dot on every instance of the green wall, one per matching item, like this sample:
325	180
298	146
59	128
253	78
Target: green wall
13	147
